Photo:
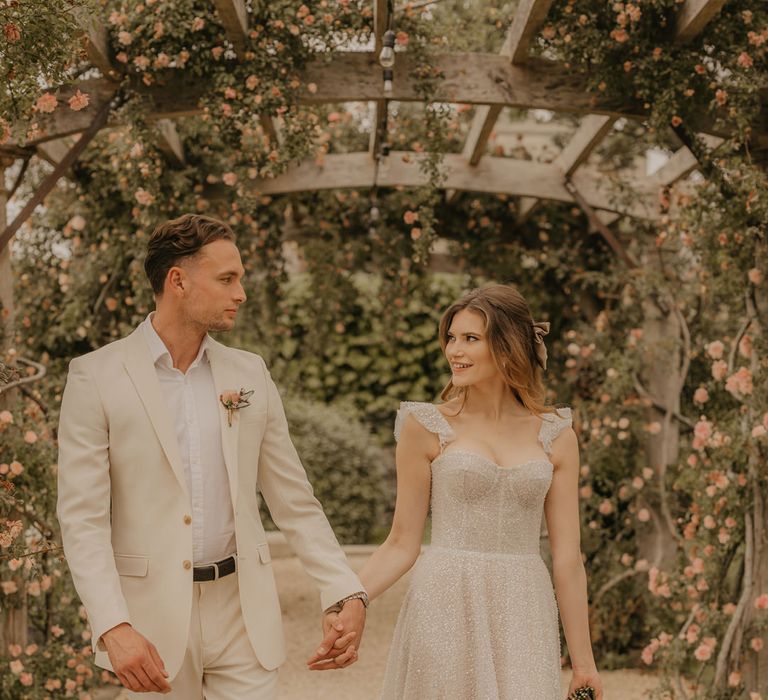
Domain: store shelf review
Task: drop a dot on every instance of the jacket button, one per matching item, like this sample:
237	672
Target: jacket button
187	519
187	564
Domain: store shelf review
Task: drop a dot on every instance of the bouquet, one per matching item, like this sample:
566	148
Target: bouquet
586	693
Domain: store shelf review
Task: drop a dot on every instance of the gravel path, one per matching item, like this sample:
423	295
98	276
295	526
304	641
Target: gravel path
362	680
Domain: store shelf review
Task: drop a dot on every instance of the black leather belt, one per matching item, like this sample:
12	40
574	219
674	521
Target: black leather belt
215	571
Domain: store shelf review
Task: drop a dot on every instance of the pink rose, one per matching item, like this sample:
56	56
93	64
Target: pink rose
761	602
125	38
606	507
703	652
16	468
755	276
46	103
9	587
700	396
79	101
715	350
30	437
6	417
740	382
756	643
719	369
229	178
16	666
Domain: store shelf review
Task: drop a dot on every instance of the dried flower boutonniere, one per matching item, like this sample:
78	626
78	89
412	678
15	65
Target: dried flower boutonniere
233	401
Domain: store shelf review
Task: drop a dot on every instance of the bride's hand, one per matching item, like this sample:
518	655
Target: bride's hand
582	678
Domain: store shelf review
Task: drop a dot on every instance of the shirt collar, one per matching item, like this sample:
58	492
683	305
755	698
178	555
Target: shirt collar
159	352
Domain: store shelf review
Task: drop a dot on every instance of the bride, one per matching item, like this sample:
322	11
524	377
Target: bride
480	621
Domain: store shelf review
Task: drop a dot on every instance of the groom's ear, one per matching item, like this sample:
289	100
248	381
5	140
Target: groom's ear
175	280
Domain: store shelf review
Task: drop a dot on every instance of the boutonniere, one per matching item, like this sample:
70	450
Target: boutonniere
234	401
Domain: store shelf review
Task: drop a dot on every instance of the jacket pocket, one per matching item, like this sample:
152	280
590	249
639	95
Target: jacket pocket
131	565
264	556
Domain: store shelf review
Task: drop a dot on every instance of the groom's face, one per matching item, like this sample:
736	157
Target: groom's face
214	289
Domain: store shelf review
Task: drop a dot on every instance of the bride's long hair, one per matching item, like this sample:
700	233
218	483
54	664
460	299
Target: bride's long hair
511	339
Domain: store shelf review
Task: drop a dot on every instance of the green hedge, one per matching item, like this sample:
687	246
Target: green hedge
362	360
351	476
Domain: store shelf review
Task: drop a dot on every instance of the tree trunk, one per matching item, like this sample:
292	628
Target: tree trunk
13	621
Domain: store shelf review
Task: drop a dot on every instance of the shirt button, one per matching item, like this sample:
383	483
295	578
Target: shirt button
187	564
187	519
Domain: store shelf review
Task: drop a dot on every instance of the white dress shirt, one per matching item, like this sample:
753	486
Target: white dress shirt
194	410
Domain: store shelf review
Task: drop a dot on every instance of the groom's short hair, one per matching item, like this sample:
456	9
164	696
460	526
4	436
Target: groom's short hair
177	239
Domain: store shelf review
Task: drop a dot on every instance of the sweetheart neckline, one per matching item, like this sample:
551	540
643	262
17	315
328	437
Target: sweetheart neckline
517	467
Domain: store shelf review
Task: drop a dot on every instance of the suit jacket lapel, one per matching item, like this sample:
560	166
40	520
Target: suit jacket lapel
225	379
138	363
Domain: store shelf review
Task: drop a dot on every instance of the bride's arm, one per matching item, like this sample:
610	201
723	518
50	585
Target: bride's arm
569	577
397	554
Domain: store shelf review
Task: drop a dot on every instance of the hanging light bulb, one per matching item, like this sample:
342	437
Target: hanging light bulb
387	55
389	76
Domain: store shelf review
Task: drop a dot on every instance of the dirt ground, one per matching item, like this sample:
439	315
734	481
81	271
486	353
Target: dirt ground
362	680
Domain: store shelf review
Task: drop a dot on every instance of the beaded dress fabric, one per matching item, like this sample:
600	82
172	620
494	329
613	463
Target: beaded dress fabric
479	620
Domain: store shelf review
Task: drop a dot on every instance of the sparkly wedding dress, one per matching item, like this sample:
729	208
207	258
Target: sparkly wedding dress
479	621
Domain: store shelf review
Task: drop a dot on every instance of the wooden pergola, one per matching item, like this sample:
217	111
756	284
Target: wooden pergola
489	82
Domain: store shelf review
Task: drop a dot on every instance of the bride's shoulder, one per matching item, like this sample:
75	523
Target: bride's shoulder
450	408
424	417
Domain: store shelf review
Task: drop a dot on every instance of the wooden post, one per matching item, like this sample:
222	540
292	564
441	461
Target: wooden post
662	379
13	621
6	278
756	664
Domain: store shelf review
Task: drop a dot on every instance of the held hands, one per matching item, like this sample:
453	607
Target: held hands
135	660
342	633
586	677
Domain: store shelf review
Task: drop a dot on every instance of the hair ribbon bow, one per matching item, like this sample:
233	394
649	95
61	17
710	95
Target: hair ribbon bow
540	329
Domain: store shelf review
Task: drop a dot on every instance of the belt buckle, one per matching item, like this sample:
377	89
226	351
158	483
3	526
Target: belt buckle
215	571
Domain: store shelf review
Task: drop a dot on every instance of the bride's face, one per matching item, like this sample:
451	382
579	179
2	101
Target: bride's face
467	350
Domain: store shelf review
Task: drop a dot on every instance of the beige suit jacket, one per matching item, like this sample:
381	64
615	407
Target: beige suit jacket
123	501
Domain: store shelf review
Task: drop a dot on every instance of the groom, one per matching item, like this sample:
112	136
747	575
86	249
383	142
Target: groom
165	438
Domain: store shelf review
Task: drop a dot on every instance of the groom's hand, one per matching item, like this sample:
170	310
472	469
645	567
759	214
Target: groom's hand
135	660
342	634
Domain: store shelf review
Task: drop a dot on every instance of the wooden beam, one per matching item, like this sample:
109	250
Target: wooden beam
234	17
169	141
50	181
680	164
97	46
693	17
525	207
380	25
480	131
378	127
349	77
529	15
54	151
591	131
498	175
271	129
528	18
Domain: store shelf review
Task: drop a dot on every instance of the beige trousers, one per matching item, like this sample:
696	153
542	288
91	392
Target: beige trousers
220	663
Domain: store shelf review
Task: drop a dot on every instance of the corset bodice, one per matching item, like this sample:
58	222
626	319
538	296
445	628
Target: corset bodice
477	505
